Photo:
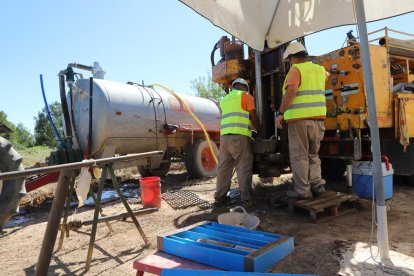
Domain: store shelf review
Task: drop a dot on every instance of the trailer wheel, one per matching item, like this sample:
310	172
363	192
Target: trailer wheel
12	190
332	169
161	171
199	159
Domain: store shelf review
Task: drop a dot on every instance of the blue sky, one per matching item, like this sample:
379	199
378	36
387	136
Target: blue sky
153	41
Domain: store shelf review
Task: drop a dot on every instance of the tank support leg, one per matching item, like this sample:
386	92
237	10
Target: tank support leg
100	209
95	217
121	196
66	212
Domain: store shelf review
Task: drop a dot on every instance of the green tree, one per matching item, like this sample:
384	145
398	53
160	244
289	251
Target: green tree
3	118
206	88
7	123
23	136
44	134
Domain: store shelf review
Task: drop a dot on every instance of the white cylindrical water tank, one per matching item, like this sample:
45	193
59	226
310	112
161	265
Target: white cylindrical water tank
129	118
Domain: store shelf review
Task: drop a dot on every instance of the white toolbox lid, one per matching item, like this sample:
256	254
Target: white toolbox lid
365	168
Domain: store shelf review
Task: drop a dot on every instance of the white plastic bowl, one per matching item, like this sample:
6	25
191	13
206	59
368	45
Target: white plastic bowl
239	219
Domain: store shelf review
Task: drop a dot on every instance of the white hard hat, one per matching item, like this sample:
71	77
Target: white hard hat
294	48
241	81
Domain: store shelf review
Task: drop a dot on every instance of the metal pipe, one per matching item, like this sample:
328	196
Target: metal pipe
373	127
78	165
120	216
90	118
259	95
80	66
64	104
349	175
53	222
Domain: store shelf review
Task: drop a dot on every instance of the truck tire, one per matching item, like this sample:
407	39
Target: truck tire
332	169
12	190
199	160
161	171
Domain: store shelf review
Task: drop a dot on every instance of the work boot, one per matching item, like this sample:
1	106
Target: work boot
221	201
292	194
318	191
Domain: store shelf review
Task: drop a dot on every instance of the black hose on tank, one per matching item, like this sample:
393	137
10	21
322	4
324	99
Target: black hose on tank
64	104
90	117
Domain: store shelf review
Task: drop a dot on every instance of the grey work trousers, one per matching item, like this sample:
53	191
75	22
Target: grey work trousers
304	141
235	152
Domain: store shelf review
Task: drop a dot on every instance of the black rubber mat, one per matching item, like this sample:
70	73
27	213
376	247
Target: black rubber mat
184	199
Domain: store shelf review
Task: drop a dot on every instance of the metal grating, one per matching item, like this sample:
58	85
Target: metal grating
184	199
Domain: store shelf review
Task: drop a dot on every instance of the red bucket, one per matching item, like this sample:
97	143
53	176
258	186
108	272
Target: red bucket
150	192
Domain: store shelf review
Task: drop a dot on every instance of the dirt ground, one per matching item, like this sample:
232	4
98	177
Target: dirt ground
318	247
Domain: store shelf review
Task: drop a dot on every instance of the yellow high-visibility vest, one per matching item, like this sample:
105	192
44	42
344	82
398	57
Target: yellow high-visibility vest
234	119
310	99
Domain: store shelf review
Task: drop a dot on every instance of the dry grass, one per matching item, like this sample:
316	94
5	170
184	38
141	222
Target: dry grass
33	155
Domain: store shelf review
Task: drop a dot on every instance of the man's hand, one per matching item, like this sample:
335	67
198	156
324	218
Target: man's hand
256	136
279	120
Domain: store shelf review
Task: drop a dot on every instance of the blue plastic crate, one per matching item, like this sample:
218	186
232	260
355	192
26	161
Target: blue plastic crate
362	180
233	248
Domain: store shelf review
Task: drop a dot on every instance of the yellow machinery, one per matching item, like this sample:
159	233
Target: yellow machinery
347	129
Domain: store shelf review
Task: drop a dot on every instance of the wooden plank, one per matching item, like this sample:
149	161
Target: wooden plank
335	202
343	212
330	201
328	196
307	202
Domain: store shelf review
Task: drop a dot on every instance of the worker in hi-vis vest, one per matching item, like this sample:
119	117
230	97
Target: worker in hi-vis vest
237	112
303	108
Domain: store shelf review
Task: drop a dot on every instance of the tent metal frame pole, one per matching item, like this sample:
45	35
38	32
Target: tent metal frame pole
259	95
383	245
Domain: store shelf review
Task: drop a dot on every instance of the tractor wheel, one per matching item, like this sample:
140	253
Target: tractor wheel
161	171
11	190
199	159
332	169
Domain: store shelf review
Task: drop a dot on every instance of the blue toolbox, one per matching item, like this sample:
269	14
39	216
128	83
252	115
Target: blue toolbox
362	179
227	247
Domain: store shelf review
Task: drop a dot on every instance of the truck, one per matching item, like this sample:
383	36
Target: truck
347	136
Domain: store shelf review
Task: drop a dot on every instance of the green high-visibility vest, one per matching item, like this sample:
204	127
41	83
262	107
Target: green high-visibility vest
310	99
234	119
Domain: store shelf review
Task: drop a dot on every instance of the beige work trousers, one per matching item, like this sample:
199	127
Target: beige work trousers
235	152
304	142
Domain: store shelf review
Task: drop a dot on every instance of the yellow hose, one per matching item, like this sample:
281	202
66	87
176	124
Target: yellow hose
194	117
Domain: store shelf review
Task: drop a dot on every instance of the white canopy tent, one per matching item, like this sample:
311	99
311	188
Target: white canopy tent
281	21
